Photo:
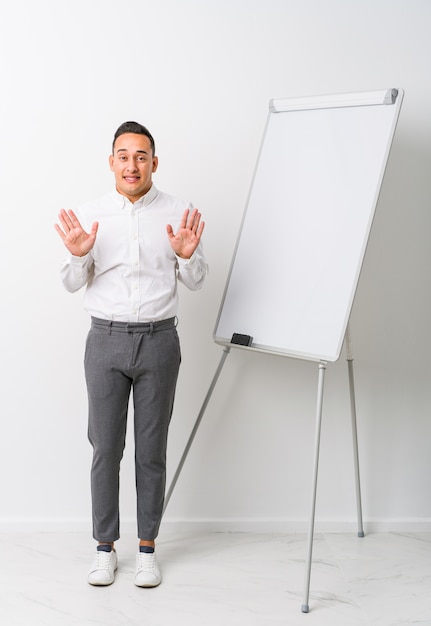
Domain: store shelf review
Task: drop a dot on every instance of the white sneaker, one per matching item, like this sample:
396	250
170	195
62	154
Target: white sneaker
103	569
147	573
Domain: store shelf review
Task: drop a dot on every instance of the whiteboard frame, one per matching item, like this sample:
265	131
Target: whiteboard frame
387	97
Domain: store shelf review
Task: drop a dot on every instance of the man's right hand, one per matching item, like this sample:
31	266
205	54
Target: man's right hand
76	240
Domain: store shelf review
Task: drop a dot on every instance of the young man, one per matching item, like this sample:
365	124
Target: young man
130	248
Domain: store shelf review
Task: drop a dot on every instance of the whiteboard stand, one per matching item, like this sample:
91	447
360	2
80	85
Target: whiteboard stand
319	405
313	198
354	431
226	351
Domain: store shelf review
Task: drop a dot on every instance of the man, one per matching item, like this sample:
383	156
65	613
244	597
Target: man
130	248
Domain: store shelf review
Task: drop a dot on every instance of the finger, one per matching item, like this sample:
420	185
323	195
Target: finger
65	220
200	230
184	219
194	220
73	219
60	231
170	231
69	218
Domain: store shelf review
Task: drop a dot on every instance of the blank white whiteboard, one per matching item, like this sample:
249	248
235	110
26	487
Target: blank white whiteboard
307	221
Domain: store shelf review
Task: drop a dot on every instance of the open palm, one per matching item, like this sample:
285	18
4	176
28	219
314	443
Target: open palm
185	241
75	238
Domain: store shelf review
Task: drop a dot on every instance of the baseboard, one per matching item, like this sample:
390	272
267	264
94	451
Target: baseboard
246	525
297	526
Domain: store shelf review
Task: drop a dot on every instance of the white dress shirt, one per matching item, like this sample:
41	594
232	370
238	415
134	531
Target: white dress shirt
131	273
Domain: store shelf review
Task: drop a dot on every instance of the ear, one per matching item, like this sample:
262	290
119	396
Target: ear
155	164
111	162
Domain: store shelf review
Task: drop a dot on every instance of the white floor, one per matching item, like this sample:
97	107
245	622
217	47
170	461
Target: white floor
220	579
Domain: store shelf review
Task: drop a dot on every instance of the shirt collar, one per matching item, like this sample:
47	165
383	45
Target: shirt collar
145	200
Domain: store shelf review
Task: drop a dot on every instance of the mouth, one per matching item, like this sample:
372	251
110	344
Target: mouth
131	179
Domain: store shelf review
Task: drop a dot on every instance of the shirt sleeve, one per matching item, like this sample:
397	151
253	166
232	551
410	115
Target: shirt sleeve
76	271
192	272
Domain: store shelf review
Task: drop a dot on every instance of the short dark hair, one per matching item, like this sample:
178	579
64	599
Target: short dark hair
138	129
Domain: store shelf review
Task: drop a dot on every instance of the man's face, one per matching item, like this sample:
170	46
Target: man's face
133	164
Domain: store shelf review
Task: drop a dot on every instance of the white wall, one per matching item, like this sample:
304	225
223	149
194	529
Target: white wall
200	75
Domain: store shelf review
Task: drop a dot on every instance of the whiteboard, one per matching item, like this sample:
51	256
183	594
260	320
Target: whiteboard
307	221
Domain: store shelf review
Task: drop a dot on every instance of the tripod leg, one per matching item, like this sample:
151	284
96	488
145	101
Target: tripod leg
355	448
196	426
322	369
354	431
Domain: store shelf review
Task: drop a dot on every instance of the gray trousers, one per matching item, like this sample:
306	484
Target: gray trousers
120	357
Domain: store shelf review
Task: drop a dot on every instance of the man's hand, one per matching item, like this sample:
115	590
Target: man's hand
188	236
76	240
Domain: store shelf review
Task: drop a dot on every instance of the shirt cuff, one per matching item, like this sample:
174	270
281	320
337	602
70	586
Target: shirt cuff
78	260
187	262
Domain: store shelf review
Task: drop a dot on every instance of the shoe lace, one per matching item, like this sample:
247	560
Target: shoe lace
103	560
146	561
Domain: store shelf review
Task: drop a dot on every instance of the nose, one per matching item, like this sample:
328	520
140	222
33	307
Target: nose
131	166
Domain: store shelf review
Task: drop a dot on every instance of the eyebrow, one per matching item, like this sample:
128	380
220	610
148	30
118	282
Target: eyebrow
138	151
